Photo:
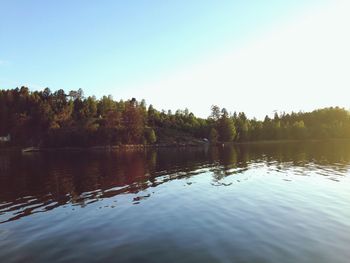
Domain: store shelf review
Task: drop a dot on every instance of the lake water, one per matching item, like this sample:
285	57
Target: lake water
249	203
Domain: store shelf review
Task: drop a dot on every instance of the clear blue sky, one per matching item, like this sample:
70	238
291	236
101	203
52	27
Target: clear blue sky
118	47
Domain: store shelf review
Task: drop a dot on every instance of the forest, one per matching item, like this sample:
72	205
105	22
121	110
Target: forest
56	119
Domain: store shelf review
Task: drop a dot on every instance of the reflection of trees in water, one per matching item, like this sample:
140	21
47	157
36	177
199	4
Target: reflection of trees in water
4	163
334	155
52	180
327	156
40	182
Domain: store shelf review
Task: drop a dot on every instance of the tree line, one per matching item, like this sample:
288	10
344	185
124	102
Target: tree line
56	119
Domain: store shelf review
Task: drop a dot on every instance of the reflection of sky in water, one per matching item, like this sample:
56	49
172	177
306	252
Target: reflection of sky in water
249	203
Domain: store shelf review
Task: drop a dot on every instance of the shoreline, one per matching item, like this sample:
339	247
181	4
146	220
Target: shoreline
292	141
106	148
126	147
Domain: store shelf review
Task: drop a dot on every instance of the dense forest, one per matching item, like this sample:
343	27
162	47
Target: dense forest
56	119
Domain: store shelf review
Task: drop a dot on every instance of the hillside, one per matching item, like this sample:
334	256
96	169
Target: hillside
56	119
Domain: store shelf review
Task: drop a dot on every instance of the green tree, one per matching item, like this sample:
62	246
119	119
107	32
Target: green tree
213	137
133	119
215	113
150	136
226	128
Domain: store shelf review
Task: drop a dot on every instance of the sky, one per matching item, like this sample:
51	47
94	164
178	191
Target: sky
253	56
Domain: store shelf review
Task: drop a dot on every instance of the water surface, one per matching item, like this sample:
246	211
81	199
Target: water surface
249	203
